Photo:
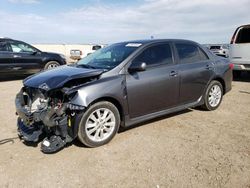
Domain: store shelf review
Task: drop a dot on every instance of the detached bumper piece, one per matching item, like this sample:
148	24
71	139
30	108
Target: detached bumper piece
52	145
55	138
28	133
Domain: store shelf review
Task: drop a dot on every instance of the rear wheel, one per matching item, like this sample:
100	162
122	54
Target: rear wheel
99	124
213	96
51	65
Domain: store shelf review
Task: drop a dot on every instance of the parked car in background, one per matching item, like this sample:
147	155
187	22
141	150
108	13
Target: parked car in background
119	85
20	58
239	52
220	49
94	48
77	54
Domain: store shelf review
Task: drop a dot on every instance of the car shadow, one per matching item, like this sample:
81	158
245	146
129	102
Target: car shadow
123	129
12	78
77	143
245	92
31	144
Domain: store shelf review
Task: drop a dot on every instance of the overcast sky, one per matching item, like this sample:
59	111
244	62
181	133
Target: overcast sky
108	21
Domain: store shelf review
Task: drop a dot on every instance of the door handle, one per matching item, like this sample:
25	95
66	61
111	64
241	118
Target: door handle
16	56
209	67
173	73
16	68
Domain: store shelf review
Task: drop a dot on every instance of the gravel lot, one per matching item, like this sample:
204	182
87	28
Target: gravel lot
192	148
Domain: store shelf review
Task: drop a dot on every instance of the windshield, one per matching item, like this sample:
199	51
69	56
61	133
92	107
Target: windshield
108	57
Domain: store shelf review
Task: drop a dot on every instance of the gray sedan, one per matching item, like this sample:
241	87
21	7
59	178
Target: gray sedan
119	86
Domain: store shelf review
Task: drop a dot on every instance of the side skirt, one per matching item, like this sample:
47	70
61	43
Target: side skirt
129	122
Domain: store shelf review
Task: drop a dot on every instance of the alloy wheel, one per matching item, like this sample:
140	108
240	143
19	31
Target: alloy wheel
100	124
215	95
52	65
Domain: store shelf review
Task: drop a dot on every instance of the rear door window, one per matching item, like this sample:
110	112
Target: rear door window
190	53
243	35
156	55
203	55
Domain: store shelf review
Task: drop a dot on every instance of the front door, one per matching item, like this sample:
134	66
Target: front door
156	88
26	59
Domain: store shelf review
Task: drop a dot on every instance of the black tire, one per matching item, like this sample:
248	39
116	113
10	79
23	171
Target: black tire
207	105
51	64
236	74
82	132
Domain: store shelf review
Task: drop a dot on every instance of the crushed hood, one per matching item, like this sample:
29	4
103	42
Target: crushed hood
56	78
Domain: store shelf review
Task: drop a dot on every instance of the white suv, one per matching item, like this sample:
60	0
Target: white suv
220	49
239	52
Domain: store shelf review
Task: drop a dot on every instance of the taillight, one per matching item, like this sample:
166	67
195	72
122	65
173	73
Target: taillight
231	66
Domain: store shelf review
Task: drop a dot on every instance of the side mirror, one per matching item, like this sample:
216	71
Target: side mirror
137	67
34	53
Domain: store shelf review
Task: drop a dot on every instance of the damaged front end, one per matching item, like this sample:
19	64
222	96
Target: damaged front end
47	115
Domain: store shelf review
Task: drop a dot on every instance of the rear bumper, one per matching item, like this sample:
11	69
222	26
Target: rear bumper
228	78
220	53
242	65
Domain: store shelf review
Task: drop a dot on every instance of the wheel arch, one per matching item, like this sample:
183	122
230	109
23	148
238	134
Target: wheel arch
221	80
51	60
114	102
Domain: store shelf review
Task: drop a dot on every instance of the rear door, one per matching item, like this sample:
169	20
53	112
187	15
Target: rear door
157	87
26	59
195	70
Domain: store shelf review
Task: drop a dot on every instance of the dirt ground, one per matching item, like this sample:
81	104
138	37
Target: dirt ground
192	148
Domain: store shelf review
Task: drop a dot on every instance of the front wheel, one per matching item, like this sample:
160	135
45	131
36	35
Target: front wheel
99	124
213	96
51	65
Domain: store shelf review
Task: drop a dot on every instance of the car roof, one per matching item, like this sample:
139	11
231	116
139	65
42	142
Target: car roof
247	25
143	42
6	39
152	41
